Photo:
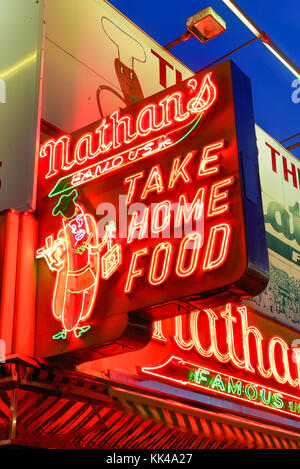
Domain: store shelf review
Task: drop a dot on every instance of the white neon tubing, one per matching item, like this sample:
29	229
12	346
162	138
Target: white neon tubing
258	33
236	10
283	60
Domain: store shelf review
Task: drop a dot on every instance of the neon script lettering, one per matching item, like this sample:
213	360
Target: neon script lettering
118	130
246	348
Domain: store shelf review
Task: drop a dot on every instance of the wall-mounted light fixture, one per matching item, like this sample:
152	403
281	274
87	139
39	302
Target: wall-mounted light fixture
204	25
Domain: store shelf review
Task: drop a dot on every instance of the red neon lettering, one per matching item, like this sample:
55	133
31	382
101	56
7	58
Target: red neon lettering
154	182
101	130
213	317
57	150
230	320
188	210
216	244
183	270
179	170
278	351
133	272
175	100
146	120
178	336
125	123
194	318
157	332
140	226
209	156
164	250
115	130
162	211
278	342
206	96
246	331
216	196
192	83
132	185
86	143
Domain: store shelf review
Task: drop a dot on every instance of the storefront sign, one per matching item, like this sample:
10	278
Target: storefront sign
280	179
230	352
135	67
153	210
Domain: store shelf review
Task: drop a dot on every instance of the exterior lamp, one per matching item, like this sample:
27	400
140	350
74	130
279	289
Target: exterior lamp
204	25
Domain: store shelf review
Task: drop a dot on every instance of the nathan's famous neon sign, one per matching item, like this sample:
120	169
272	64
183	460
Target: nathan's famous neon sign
116	132
74	253
204	335
154	155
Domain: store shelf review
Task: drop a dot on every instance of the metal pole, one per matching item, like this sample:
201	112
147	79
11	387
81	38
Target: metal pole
264	37
229	53
184	37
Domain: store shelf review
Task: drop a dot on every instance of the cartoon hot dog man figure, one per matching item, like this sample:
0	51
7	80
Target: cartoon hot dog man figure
74	255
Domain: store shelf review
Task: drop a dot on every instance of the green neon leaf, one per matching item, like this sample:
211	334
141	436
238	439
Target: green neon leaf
60	335
81	330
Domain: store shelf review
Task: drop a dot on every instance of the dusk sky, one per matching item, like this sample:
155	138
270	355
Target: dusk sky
275	111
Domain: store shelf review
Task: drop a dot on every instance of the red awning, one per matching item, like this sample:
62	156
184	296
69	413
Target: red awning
59	410
225	430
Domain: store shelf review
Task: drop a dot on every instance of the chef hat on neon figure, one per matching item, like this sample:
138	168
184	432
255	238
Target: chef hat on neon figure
128	51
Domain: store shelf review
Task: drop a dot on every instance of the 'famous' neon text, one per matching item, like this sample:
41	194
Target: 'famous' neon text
246	349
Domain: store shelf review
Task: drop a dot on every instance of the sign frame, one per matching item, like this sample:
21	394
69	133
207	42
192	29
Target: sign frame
252	279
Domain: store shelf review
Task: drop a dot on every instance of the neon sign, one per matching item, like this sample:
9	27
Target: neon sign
221	351
204	379
117	131
164	177
120	160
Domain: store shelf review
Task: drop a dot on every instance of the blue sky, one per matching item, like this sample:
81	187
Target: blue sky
275	112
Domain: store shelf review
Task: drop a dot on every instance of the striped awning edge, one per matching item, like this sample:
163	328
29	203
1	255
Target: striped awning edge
222	427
